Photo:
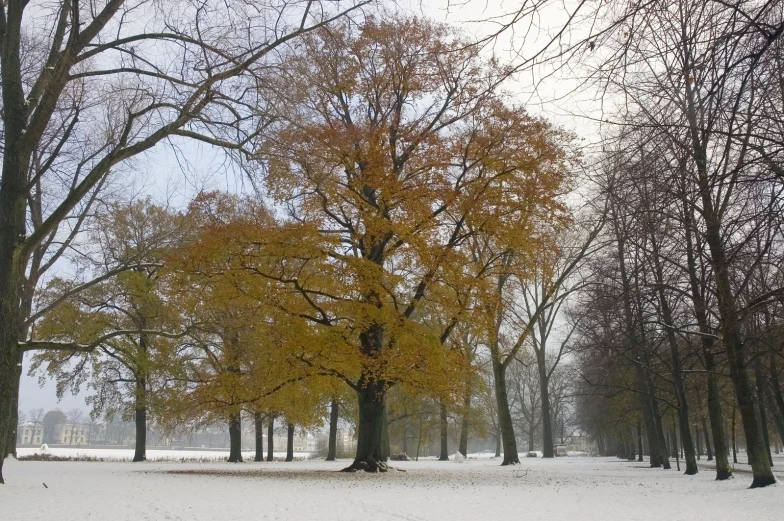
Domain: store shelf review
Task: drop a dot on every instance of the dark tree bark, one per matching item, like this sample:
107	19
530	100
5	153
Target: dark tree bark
235	438
290	443
761	403
463	445
444	454
708	447
734	443
385	449
778	398
140	454
258	429
333	431
639	441
544	395
370	455
504	415
12	435
271	438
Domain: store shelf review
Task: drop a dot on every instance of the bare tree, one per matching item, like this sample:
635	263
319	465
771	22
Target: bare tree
90	88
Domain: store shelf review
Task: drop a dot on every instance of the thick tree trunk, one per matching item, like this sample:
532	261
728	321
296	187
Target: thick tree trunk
444	424
290	443
708	447
504	414
385	449
778	398
370	455
258	430
13	207
498	442
270	439
762	404
140	454
333	431
463	445
235	438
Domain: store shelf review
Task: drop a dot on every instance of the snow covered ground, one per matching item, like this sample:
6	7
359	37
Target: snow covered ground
185	455
575	488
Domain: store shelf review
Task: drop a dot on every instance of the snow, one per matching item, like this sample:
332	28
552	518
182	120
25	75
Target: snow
178	455
574	488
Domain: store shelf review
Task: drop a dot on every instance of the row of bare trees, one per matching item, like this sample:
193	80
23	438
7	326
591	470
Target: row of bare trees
691	292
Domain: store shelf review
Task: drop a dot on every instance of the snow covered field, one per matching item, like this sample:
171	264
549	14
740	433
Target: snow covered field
152	454
573	489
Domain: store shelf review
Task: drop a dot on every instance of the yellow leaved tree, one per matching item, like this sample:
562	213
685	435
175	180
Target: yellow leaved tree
393	153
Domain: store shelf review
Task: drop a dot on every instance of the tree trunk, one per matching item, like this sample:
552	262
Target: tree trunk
463	445
258	428
14	423
504	414
544	390
734	343
762	403
333	431
708	447
707	342
675	358
698	438
290	443
13	208
639	440
734	443
270	438
235	438
140	453
778	410
498	442
370	455
444	424
777	396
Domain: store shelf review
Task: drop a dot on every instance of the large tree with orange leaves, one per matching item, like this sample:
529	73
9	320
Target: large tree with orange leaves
394	153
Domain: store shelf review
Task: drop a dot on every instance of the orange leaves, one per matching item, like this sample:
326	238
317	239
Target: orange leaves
399	179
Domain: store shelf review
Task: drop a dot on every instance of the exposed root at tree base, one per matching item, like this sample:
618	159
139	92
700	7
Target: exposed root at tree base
369	465
721	475
762	481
